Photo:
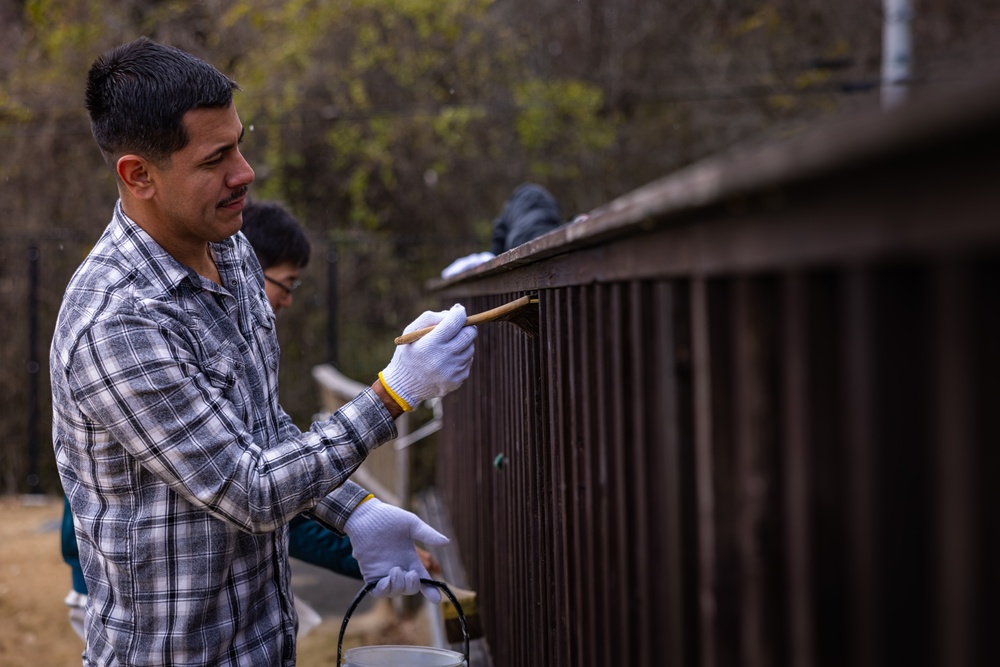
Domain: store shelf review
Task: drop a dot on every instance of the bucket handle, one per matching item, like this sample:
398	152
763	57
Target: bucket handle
427	582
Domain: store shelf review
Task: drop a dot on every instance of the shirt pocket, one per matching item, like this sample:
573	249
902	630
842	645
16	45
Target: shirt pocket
223	369
265	334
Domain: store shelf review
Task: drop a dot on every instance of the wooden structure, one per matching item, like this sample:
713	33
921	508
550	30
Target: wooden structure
759	425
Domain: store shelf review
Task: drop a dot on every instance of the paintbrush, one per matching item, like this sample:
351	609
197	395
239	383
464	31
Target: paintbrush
523	313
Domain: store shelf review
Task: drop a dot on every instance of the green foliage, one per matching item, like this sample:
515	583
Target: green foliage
63	27
395	129
558	122
382	80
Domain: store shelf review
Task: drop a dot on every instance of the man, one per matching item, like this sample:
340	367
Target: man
283	250
180	466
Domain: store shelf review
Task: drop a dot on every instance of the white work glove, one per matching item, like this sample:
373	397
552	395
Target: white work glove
435	365
463	264
382	537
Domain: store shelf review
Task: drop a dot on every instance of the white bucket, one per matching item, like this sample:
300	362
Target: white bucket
402	656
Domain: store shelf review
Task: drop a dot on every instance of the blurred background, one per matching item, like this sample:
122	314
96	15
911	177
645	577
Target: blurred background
396	129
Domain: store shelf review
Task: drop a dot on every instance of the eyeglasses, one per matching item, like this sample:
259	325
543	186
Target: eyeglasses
288	289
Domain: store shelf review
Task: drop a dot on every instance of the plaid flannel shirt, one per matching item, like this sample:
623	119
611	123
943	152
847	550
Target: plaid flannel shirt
180	466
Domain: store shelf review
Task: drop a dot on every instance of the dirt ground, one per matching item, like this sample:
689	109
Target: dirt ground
34	626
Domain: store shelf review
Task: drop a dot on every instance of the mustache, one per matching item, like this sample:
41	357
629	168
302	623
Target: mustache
239	194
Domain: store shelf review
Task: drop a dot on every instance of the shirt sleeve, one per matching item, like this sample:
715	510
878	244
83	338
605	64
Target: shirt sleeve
172	411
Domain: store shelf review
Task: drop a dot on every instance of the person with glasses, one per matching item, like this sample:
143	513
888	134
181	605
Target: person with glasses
283	250
281	247
180	466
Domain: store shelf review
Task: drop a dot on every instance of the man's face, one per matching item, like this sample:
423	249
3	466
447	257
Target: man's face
202	188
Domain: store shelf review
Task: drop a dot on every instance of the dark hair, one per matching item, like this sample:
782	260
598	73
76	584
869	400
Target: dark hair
275	234
137	95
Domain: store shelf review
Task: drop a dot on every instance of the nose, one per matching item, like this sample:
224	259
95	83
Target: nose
242	174
283	300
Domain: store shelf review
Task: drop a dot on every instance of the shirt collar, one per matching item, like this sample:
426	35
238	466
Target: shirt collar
161	269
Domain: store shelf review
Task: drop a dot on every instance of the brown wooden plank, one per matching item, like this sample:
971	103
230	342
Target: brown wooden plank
860	442
796	439
953	294
701	371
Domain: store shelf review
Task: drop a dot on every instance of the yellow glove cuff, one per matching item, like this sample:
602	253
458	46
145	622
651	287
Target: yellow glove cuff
396	397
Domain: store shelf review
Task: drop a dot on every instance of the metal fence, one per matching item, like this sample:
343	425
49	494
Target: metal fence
760	422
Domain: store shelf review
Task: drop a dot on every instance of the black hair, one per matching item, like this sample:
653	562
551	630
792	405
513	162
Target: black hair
275	234
137	95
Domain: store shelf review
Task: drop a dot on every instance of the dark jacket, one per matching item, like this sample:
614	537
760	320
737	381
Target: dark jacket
528	213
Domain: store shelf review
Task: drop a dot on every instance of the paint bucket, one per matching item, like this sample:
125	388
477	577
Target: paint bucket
402	656
395	656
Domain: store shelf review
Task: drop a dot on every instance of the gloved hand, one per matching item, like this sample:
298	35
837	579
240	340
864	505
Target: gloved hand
435	365
382	537
465	263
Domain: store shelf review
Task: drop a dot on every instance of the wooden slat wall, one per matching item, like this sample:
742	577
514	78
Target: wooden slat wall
731	446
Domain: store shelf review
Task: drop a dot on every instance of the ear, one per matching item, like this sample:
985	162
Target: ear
134	172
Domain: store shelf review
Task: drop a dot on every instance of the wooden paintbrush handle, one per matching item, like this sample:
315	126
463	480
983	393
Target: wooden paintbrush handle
478	318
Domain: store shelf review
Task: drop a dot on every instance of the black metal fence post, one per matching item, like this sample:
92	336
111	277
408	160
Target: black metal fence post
33	368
